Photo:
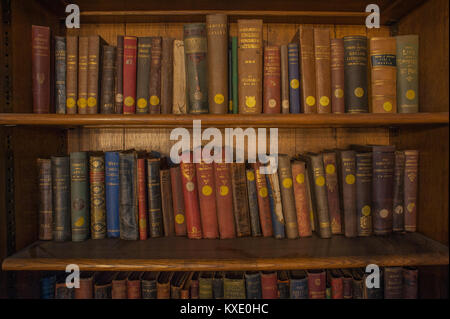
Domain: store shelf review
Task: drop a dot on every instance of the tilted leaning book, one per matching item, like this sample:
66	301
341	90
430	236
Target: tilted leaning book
128	200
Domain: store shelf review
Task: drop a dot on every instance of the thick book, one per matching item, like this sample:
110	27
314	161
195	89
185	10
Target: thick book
86	289
128	199
364	193
272	85
79	195
337	76
301	198
253	202
234	286
283	284
285	78
176	283
410	282
167	75
163	285
45	199
294	78
155	76
234	74
217	285
142	197
95	48
166	202
398	213
407	73
265	214
61	198
179	77
71	74
178	201
269	285
276	207
410	189
333	191
83	56
217	36
207	199
107	80
322	54
253	285
224	200
143	74
347	284
358	283
240	200
307	69
47	287
129	74
336	281
316	284
298	284
205	285
112	194
119	286
134	285
355	74
60	75
195	50
148	285
250	62
103	285
393	283
347	167
40	68
61	289
118	84
97	198
154	197
383	60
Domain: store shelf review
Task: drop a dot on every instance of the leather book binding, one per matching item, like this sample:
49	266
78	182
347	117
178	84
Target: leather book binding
83	54
355	74
193	288
128	199
224	200
178	201
154	197
45	199
234	74
312	208
119	286
253	285
253	202
301	198
112	194
95	54
176	283
316	284
163	285
276	207
129	74
322	53
108	78
79	195
86	290
393	283
283	284
265	214
103	285
407	73
285	78
62	291
166	203
364	193
347	284
398	213
61	198
410	189
337	283
142	197
118	87
205	285
269	285
234	286
333	191
148	285
358	283
71	74
240	200
347	164
47	285
155	76
298	288
294	79
40	68
410	282
217	285
207	199
97	198
167	75
179	77
307	69
287	196
143	74
60	75
134	285
337	76
272	86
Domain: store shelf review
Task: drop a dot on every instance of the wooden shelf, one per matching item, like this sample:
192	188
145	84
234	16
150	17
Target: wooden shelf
180	253
226	120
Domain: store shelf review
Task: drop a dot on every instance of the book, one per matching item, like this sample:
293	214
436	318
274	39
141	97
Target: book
154	197
107	81
179	77
83	56
118	84
47	287
347	163
86	289
217	285
393	282
347	284
355	74
195	49
374	292
407	73
176	283
155	76
294	78
240	200
142	197
265	214
79	195
234	74
129	74
217	38
103	285
253	202
272	85
71	74
316	284
298	284
207	199
45	199
322	53
234	286
410	282
307	69
276	208
383	74
301	198
410	189
144	46
128	198
193	288
166	202
337	76
283	285
336	281
148	285
312	208
178	201
253	285
95	54
269	285
205	285
167	75
364	193
60	75
61	196
97	198
250	62
398	211
61	289
40	68
333	191
224	200
134	285
119	285
112	184
230	79
358	283
285	78
163	285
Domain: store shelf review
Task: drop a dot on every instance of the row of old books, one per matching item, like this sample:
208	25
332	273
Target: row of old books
135	195
394	283
208	72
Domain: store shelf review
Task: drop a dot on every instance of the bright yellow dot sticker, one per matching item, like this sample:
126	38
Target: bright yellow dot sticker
330	169
223	190
410	207
129	101
272	103
387	106
207	190
79	222
310	100
250	176
410	94
263	192
295	83
179	218
324	101
82	102
141	103
339	93
250	101
92	101
320	181
300	178
190	186
154	100
70	102
287	182
350	179
359	92
366	210
219	98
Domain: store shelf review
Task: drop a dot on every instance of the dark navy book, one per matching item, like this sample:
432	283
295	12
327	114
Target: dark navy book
112	193
253	285
294	78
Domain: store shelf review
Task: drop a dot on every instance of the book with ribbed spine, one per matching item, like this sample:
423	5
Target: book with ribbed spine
253	285
298	288
234	286
337	76
71	74
155	76
97	186
40	68
154	197
355	74
129	74
207	199
333	191
60	75
112	194
316	284
269	285
148	285
128	198
253	202
79	195
107	81
240	200
144	45
83	53
272	85
322	53
294	78
407	73
45	199
410	189
301	198
307	69
205	285
178	201
287	196
61	198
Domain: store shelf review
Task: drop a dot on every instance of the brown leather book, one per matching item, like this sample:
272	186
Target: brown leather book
179	77
335	280
316	284
163	285
217	36
272	73
155	76
83	53
347	167
40	70
118	99
167	75
398	216
95	52
134	285
393	283
103	285
107	82
331	177
166	202
347	284
176	284
265	216
224	200
337	76
72	74
410	189
86	290
185	289
322	52
207	199
284	79
287	196
250	51
178	201
364	193
410	282
301	199
308	69
119	286
194	287
45	199
240	200
383	52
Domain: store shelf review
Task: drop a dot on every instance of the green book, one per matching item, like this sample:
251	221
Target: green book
79	196
234	74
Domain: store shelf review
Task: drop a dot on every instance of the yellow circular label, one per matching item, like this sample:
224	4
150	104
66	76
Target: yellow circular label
398	210
384	213
79	222
179	218
207	190
70	102
295	83
310	100
410	94
263	192
300	178
330	169
410	207
119	98
339	93
250	101
324	101
359	92
190	186
92	101
387	106
82	102
350	179
272	103
320	181
141	103
219	98
285	104
250	176
129	101
223	190
287	182
366	210
154	100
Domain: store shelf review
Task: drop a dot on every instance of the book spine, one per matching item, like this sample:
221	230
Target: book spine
410	189
408	73
60	75
355	74
207	199
393	283
166	203
205	288
178	201
224	200
128	211
240	200
167	75
134	289
347	287
118	98
143	74
398	213
269	285
299	288
194	289
276	207
337	289
79	196
97	186
40	70
142	199
348	180
337	76
155	76
272	73
83	53
191	205
283	288
364	193
148	289
86	289
61	198
265	214
129	74
410	282
294	78
195	49
179	77
94	73
72	74
287	196
312	208
233	288
217	287
253	285
230	79
322	53
47	286
250	63
63	292
384	74
45	199
119	289
285	78
107	83
234	72
301	199
316	284
253	203
163	290
308	69
154	198
217	35
112	194
331	179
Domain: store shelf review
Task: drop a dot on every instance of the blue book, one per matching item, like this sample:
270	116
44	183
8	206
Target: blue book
273	187
298	284
112	193
294	78
48	287
253	285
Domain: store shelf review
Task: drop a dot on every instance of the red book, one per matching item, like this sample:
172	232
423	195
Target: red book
40	68
337	283
301	199
316	284
224	200
129	74
272	72
134	285
142	198
178	201
269	285
265	216
190	192
207	199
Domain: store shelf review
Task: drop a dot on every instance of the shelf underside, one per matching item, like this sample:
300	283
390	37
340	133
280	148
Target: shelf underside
183	254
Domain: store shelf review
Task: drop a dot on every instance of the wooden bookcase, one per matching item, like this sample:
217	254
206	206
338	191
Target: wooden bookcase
25	136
